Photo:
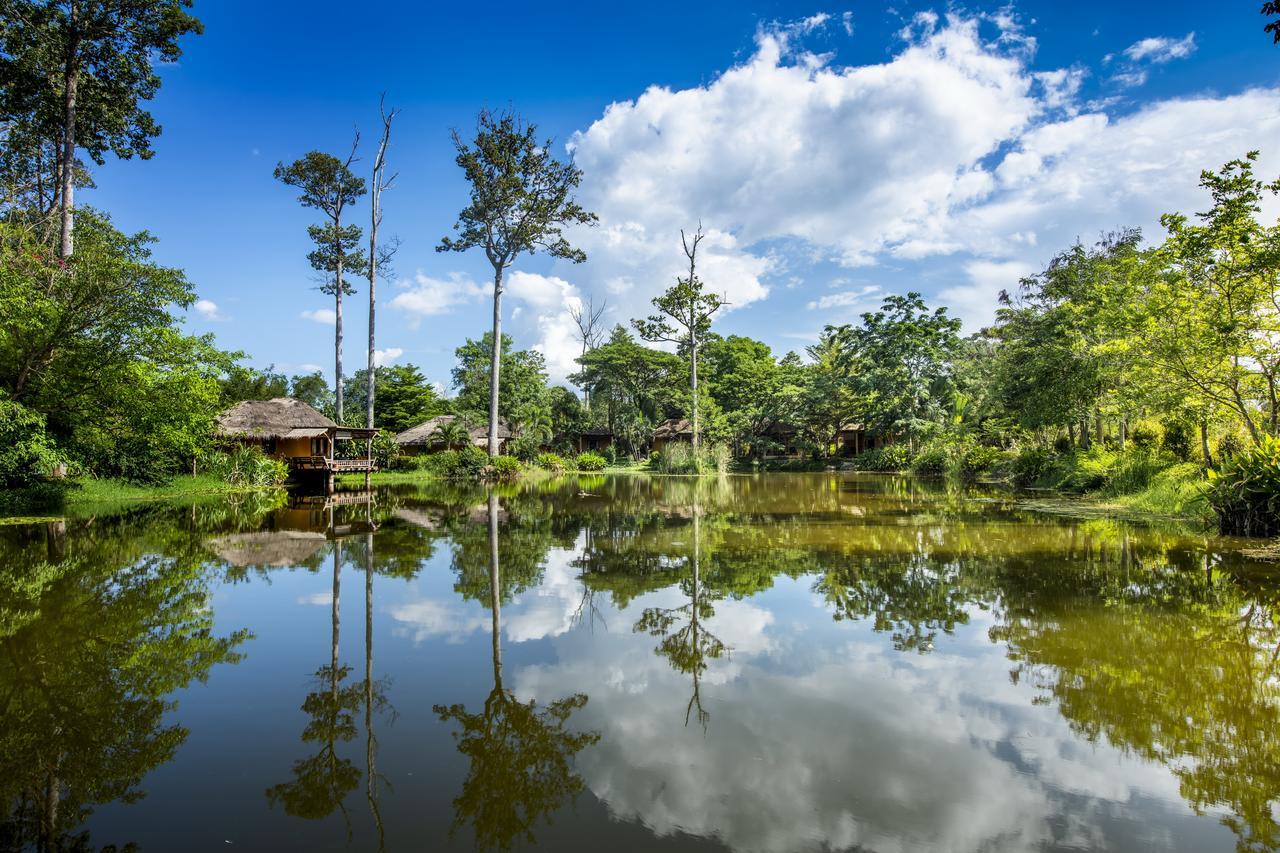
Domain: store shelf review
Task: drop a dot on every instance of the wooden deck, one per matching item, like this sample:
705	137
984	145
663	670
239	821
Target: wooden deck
327	465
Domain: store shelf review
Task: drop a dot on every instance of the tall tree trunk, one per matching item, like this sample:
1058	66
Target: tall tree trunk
1123	428
1097	426
495	596
373	285
495	363
693	383
337	319
1204	443
71	85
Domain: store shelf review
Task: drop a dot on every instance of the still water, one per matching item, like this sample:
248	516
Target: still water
759	663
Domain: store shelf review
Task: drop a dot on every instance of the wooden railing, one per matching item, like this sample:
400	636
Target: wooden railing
324	463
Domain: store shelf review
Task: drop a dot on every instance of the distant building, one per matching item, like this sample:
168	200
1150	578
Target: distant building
290	430
672	431
425	437
594	440
854	439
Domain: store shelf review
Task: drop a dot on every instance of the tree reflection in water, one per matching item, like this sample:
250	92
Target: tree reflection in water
90	647
521	754
689	647
322	782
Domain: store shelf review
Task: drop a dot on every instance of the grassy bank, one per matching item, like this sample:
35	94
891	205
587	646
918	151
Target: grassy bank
1175	491
95	495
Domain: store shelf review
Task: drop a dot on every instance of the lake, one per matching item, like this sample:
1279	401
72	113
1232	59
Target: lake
762	663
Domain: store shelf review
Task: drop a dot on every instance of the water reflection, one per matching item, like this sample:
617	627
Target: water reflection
90	653
520	754
871	663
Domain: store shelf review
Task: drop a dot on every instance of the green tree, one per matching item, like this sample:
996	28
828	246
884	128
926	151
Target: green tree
405	398
312	389
633	386
93	647
523	391
328	185
92	344
903	355
690	308
246	383
521	200
76	73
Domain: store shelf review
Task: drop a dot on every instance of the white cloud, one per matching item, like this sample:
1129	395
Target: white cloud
846	299
327	316
952	151
208	309
549	300
383	357
426	296
1160	49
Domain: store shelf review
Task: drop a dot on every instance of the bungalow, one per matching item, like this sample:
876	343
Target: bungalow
854	439
293	432
671	431
424	437
595	439
784	438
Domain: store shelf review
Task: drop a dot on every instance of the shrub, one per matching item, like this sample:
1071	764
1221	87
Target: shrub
1245	491
1178	440
27	455
1032	464
1230	445
895	457
246	465
550	461
385	450
974	460
679	458
526	448
591	462
1146	434
932	461
505	467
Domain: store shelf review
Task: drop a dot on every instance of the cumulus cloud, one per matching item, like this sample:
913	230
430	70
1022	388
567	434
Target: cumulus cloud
327	316
549	300
846	298
383	357
953	150
208	309
426	296
1160	49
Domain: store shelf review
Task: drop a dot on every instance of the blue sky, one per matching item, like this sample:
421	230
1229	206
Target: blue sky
834	154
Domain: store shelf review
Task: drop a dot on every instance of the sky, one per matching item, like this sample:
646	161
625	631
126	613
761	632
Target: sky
833	154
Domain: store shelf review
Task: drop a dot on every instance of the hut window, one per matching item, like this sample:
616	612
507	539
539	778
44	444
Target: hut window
269	446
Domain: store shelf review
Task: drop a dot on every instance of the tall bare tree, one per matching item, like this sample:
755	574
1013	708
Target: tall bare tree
521	199
379	183
328	185
590	331
691	309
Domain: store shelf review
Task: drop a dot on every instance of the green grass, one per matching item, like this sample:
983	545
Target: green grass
114	491
1175	491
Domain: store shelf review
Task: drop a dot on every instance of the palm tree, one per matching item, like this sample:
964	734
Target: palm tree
451	433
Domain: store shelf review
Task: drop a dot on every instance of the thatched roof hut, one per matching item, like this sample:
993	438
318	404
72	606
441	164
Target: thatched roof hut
673	428
283	417
275	548
423	435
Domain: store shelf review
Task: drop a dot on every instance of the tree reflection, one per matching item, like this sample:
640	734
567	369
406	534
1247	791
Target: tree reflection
89	649
322	781
691	646
520	753
1178	667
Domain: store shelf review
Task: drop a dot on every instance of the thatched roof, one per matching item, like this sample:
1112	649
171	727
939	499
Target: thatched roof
271	419
424	433
268	548
672	428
